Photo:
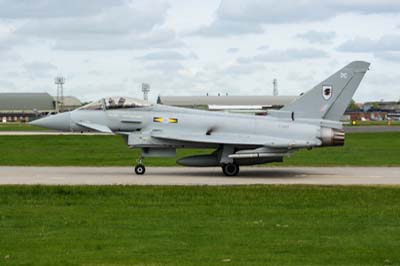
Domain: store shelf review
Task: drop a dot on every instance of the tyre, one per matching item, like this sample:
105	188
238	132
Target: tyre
140	169
230	169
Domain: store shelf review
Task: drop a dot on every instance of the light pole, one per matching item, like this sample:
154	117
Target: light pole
145	90
59	81
275	83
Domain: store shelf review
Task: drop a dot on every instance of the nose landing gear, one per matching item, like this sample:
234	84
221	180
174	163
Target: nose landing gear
139	168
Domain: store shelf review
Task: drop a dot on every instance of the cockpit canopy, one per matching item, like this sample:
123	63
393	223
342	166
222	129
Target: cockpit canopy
115	103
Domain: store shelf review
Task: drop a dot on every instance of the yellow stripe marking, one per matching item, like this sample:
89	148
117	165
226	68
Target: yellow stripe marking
172	120
158	119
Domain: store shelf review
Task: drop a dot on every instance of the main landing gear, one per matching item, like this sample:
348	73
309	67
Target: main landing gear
139	168
230	169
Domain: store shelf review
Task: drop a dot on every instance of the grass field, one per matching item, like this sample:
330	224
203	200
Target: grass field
372	149
19	127
255	225
375	123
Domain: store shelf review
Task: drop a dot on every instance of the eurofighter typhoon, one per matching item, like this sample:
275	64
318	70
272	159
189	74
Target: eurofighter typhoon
310	121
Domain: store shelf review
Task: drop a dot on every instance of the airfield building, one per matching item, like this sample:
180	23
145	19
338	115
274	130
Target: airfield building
227	102
24	107
70	103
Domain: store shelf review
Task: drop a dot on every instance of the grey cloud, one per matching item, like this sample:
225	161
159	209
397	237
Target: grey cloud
284	11
7	56
365	45
166	67
383	85
53	8
317	36
388	56
7	43
386	48
167	55
263	48
14	74
4	44
296	76
223	28
284	56
10	41
268	11
130	25
235	17
40	69
245	60
367	6
240	69
233	50
96	73
109	22
154	39
7	85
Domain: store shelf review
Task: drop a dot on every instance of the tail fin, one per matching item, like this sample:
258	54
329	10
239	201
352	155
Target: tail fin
329	99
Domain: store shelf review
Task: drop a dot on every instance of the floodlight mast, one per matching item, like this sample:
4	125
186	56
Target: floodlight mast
275	83
59	81
145	90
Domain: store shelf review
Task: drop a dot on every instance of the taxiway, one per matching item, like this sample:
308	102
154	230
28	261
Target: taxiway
199	176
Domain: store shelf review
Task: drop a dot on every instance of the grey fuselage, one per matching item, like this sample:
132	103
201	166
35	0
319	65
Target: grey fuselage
140	121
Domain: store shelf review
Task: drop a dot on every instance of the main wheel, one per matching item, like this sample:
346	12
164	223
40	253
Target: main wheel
140	169
230	169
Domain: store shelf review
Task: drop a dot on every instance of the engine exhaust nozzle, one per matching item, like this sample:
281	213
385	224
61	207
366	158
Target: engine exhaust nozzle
332	137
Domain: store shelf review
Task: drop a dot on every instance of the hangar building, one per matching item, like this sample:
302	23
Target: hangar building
227	102
24	107
70	103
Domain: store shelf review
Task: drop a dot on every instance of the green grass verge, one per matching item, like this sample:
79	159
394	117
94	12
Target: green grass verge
371	149
19	127
255	225
374	123
361	149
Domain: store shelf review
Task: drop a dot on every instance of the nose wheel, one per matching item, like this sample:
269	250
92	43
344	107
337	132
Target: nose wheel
139	168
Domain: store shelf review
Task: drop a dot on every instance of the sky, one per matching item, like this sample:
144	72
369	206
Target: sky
187	47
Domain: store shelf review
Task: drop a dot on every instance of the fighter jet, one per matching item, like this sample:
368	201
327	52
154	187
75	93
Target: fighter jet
310	121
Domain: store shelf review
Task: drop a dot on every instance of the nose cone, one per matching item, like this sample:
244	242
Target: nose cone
58	122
